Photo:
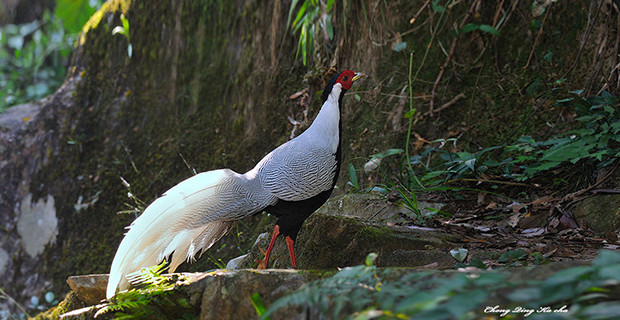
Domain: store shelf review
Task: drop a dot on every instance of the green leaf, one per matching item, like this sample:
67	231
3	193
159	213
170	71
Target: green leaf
353	177
371	258
437	8
477	263
570	152
257	302
464	302
300	13
330	3
459	254
489	29
290	12
469	27
125	23
410	113
470	163
571	275
74	13
606	257
603	310
329	27
512	255
541	167
524	294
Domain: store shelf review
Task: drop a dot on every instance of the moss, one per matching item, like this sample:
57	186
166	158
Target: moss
111	6
71	302
373	234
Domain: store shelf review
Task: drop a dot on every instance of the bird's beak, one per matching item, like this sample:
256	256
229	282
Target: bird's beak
358	75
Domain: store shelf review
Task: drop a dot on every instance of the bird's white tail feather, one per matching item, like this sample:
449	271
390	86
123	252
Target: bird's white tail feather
188	218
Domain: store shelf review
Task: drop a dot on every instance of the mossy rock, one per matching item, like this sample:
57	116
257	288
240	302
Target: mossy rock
601	213
328	241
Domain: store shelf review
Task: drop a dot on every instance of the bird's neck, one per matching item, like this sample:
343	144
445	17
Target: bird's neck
326	125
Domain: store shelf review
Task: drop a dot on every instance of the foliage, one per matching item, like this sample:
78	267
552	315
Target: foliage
470	27
312	18
151	289
259	306
360	293
597	142
124	30
32	60
75	13
34	55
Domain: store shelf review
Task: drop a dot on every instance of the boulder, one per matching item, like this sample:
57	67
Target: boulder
601	213
329	241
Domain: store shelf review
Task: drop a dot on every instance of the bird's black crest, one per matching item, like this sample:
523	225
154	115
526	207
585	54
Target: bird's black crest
328	88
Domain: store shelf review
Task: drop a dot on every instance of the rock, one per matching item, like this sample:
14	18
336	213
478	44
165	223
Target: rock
328	241
221	294
601	213
226	294
16	117
89	288
371	207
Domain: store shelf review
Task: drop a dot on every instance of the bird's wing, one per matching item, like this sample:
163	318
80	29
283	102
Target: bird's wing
188	218
296	171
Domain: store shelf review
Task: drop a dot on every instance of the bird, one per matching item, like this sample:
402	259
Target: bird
290	182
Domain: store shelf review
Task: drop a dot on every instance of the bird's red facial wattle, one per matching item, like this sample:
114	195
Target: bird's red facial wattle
347	77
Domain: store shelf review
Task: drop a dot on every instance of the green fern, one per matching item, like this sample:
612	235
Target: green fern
150	290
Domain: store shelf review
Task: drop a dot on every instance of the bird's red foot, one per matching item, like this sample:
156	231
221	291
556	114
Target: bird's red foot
291	251
265	262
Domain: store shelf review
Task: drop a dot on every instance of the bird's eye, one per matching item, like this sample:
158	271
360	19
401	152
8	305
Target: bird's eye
345	78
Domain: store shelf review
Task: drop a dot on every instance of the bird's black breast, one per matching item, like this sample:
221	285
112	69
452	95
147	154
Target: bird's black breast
292	214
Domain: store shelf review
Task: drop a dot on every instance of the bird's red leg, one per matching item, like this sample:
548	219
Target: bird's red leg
276	231
291	250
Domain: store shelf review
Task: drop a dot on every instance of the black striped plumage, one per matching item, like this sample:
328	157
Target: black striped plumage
292	214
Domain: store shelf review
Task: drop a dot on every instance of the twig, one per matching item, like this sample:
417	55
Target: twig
496	17
542	26
447	104
3	294
573	197
580	192
415	17
191	169
449	58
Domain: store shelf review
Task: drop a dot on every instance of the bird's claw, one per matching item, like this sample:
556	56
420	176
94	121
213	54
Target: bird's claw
262	264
